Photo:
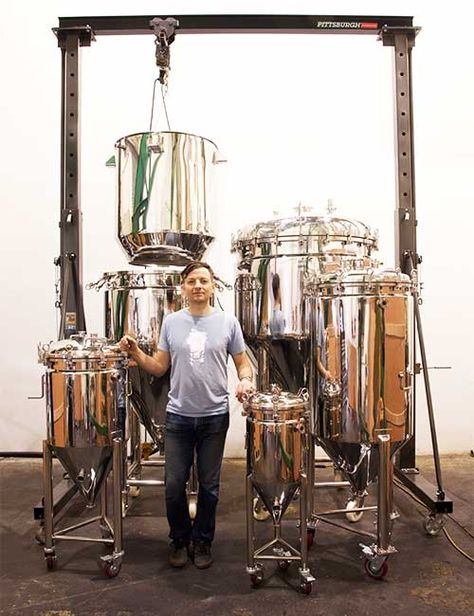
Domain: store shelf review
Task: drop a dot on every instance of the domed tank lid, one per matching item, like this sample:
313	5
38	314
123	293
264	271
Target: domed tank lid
276	400
79	346
308	223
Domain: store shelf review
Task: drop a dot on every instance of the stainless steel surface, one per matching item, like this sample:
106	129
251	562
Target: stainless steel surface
385	494
136	304
332	239
250	522
165	195
361	366
276	424
117	480
277	258
277	461
48	496
86	382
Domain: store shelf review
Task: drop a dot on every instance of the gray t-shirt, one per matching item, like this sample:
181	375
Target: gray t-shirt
199	347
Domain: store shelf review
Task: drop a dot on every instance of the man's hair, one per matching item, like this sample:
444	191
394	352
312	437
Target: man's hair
190	267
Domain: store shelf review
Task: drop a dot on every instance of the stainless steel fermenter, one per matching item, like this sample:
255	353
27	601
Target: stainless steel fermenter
361	365
277	467
276	258
276	426
165	196
86	383
136	302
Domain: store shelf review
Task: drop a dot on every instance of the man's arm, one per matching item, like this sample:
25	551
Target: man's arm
156	365
245	374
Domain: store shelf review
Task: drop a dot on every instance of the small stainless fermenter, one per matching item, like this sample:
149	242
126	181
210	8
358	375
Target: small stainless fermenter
86	404
86	381
277	458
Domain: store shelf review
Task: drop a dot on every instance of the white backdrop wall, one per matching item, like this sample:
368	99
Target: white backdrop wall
302	119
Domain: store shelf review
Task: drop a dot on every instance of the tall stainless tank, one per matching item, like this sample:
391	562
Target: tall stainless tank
136	302
86	398
165	196
276	258
361	366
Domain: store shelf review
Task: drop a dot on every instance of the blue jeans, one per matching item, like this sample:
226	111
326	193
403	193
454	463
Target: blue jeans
184	434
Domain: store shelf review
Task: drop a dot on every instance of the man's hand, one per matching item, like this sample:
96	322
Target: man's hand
129	345
244	388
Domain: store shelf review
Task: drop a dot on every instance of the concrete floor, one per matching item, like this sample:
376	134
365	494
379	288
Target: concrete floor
426	577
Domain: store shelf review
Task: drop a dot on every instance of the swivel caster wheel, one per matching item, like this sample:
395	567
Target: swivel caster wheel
354	503
375	569
256	578
310	537
111	568
433	524
306	588
51	561
260	512
283	565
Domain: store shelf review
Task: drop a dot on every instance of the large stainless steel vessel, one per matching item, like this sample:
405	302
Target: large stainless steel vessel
165	196
361	366
86	382
136	302
276	258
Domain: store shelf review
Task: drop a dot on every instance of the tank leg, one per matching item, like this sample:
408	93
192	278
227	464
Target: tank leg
385	494
104	527
250	524
255	570
303	523
117	493
306	579
112	563
49	552
135	441
376	555
310	475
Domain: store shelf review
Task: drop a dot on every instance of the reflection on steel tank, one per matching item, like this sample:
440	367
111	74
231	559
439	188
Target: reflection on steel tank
86	384
165	196
276	258
361	365
136	302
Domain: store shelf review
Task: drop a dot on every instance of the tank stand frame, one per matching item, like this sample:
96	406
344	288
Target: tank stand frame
112	532
376	554
283	553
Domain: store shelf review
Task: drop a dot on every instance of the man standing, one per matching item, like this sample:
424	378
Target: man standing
196	342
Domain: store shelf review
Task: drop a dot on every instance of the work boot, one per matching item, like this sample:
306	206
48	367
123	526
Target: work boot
178	554
202	555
